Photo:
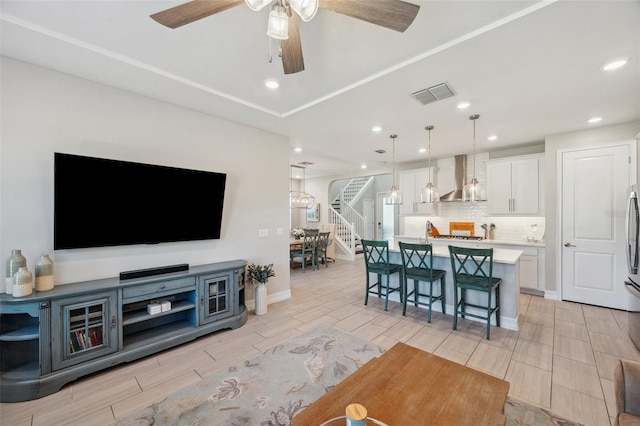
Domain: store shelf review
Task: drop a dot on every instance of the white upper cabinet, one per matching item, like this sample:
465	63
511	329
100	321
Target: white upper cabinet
516	186
411	183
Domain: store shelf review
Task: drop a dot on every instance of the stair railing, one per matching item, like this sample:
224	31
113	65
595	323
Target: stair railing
345	234
353	217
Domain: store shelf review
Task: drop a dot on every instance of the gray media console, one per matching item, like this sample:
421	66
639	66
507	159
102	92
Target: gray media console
54	337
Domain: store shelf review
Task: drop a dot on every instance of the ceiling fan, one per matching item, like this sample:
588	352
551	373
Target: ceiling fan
283	24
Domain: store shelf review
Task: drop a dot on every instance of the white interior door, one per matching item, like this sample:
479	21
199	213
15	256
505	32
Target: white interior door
594	189
385	219
368	211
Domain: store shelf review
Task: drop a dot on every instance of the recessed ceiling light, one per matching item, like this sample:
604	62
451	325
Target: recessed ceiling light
272	84
594	120
297	149
492	138
422	150
376	129
614	65
463	105
363	166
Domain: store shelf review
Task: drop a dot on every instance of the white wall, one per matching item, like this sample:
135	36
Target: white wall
600	136
45	112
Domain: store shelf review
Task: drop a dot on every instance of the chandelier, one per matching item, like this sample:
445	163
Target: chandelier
299	199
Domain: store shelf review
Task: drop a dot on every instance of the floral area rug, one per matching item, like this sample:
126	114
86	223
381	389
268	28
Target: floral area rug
269	390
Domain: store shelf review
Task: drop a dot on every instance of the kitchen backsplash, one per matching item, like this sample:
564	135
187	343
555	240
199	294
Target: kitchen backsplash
507	228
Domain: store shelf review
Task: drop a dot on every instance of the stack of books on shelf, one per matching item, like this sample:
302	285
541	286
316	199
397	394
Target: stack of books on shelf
80	340
157	306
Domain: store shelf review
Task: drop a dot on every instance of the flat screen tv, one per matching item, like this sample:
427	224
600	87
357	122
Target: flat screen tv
100	202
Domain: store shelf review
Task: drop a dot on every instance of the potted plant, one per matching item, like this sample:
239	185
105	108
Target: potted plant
488	230
297	233
259	275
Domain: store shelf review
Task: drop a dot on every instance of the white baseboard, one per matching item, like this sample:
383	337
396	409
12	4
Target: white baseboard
552	295
271	298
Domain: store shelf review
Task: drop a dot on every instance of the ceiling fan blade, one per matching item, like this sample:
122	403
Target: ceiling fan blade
393	14
192	11
292	59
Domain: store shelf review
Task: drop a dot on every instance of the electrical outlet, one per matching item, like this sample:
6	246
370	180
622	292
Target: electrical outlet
263	233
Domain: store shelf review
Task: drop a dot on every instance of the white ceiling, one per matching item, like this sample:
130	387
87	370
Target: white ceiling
529	68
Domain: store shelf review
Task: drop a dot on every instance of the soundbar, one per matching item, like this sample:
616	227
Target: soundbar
139	273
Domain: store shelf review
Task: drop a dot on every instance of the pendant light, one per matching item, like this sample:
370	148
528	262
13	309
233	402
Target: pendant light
394	195
429	194
473	191
299	199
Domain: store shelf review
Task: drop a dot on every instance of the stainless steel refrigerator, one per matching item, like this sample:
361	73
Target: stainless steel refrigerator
632	283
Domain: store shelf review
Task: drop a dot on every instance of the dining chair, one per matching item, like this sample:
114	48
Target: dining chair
306	251
321	249
417	265
376	259
473	270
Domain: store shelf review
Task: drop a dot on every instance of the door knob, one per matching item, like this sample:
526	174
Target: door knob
568	245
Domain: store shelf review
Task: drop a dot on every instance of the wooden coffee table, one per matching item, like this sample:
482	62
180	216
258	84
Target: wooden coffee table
407	386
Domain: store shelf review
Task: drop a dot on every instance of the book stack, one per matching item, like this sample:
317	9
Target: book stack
157	306
80	340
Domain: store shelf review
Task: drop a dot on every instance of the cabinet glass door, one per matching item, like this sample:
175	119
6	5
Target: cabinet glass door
216	297
87	328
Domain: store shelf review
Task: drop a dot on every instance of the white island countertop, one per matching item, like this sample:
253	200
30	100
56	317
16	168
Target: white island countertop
447	241
499	255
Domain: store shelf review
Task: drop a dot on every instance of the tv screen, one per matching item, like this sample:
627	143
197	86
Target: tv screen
100	202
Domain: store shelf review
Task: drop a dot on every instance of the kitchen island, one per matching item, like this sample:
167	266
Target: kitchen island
505	265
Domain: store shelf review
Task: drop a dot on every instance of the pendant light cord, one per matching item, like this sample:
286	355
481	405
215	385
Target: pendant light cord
429	128
474	149
473	118
393	165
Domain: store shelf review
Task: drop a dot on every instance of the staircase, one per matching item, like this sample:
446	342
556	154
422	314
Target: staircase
349	222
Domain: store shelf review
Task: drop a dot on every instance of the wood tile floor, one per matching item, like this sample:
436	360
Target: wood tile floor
562	358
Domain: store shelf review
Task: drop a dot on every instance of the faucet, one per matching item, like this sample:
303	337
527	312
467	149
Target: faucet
428	229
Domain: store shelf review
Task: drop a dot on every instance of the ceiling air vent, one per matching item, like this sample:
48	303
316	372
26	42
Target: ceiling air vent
432	94
380	151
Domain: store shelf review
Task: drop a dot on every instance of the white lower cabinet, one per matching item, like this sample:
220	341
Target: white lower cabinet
531	268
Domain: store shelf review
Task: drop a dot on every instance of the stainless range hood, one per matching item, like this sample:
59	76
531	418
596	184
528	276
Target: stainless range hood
460	173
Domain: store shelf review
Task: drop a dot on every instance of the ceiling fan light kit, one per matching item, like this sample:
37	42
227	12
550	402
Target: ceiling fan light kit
278	26
306	9
257	5
396	15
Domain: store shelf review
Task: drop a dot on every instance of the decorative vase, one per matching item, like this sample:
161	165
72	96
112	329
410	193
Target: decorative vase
44	273
14	263
492	234
261	299
22	283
